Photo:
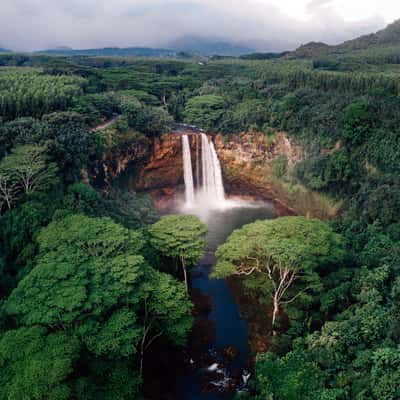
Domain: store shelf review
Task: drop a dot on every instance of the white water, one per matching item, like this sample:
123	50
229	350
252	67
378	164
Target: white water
197	161
187	172
210	193
213	185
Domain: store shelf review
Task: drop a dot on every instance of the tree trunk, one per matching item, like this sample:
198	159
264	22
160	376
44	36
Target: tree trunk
142	355
185	275
274	314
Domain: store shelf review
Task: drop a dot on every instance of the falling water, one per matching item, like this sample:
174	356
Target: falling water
213	186
197	161
187	171
210	188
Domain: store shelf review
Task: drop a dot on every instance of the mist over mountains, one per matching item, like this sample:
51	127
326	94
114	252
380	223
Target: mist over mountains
210	46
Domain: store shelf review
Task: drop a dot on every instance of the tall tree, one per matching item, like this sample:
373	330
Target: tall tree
36	364
286	251
205	111
165	312
90	281
179	237
8	191
26	166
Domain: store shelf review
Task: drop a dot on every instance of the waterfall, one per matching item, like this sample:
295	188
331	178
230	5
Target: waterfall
187	171
211	191
213	186
197	162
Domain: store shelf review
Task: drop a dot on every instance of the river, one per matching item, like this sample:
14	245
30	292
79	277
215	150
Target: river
229	327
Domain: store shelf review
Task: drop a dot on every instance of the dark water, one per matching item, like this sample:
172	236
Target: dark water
230	329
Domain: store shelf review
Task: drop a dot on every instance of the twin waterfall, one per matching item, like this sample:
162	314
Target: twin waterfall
211	191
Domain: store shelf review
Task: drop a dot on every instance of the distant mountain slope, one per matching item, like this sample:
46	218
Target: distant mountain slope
209	46
386	37
112	51
4	50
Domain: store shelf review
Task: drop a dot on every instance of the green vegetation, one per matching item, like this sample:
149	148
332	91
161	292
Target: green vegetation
29	93
179	237
90	281
284	254
91	285
205	111
82	298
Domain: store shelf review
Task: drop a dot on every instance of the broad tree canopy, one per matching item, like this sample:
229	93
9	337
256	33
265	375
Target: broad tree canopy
286	251
178	236
292	242
35	364
93	290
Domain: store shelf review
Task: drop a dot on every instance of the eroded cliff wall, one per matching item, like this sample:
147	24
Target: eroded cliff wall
248	160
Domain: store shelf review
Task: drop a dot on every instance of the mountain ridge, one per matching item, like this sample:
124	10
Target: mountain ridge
111	51
390	35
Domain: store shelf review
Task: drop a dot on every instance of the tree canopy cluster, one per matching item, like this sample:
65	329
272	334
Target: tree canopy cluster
90	297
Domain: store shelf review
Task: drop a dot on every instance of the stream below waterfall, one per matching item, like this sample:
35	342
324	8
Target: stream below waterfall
229	329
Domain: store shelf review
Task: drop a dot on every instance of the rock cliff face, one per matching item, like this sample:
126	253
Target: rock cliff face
162	176
247	161
252	148
165	168
120	159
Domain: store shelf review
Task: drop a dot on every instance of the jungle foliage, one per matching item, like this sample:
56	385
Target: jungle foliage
89	282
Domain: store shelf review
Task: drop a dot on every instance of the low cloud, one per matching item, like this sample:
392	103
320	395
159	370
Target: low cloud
40	24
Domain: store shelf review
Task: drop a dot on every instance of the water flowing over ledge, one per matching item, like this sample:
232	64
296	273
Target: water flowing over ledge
187	172
210	192
204	190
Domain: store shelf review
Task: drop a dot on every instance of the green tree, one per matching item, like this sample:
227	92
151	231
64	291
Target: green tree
357	121
166	312
8	191
356	354
36	364
19	132
287	251
291	377
179	237
385	373
250	114
205	111
105	379
86	266
70	144
91	282
27	167
129	209
152	121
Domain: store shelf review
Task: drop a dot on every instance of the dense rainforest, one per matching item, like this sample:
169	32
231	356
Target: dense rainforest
89	280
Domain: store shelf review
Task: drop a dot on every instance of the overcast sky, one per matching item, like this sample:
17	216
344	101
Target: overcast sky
40	24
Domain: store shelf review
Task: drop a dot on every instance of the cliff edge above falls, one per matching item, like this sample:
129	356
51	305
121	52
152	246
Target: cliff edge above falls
255	148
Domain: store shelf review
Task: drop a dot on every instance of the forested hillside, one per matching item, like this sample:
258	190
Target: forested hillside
89	281
386	37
